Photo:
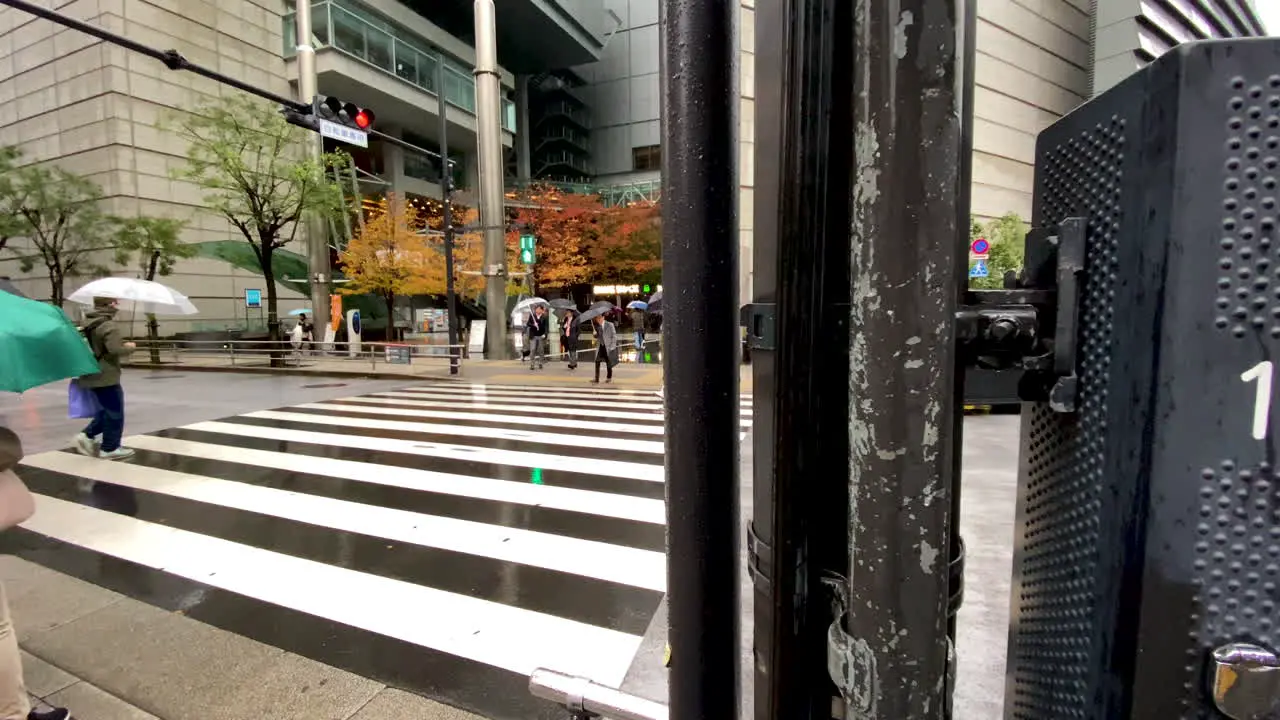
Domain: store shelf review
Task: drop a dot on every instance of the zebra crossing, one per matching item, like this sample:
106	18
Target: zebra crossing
446	538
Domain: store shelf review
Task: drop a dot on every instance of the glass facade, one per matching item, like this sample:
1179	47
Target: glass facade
359	32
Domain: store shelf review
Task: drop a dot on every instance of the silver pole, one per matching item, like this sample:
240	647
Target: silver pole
585	698
317	231
489	123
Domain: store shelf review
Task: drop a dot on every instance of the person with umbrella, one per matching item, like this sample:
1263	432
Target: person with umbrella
536	328
109	348
637	308
16	506
569	336
606	340
38	345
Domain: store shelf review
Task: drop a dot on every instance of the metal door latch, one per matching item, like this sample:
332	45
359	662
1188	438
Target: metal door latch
1245	682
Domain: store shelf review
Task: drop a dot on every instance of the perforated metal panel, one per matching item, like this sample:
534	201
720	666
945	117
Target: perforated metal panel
1149	521
1055	647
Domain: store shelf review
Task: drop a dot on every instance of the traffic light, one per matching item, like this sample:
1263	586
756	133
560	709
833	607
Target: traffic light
333	118
343	113
526	248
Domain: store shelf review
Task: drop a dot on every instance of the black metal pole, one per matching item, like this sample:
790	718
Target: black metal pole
902	360
700	271
967	50
801	399
446	186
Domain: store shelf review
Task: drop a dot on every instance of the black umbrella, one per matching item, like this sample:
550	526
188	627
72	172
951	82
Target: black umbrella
6	286
563	304
655	303
603	307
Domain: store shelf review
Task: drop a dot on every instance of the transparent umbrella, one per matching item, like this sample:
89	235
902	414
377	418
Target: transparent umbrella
138	295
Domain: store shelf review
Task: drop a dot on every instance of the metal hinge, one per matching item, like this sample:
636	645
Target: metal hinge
762	326
759	555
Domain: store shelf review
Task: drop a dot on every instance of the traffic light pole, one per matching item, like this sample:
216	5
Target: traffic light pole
489	124
317	230
891	646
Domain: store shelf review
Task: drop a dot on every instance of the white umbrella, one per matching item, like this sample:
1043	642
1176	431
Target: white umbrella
140	295
528	303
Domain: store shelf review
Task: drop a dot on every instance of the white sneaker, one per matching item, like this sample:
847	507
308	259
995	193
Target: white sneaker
120	453
85	445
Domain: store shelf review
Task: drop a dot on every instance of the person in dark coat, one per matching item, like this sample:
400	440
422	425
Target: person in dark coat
536	328
569	336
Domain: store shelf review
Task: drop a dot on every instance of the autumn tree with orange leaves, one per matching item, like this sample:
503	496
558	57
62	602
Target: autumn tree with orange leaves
390	258
579	239
628	244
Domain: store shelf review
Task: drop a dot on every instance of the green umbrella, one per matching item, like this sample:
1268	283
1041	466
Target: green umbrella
39	345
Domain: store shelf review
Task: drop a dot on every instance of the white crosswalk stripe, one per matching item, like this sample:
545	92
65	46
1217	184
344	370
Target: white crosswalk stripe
483	530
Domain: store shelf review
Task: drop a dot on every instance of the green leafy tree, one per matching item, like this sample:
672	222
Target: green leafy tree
59	213
8	194
1007	236
256	172
152	246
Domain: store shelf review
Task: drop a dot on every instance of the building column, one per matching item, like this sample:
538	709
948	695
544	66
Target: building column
392	160
524	143
746	147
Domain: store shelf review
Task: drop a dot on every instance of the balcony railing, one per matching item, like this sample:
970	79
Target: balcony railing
566	134
342	27
564	159
610	194
566	109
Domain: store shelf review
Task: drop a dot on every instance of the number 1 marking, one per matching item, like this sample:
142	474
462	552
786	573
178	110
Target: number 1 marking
1262	399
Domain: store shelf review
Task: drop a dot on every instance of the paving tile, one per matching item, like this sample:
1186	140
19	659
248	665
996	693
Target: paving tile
41	599
42	678
87	702
392	704
292	687
171	666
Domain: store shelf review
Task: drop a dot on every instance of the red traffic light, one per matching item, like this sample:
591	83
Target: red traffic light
363	119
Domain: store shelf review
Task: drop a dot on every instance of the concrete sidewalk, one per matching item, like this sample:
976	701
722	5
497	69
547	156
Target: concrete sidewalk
108	657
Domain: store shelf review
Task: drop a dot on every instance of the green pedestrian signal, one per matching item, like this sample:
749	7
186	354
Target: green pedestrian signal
526	256
526	242
646	288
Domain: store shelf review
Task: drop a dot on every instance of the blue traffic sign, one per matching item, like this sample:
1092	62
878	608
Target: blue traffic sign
980	246
253	298
979	269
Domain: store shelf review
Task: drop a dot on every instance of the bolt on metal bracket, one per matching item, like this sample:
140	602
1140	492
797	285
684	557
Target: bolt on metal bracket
1245	682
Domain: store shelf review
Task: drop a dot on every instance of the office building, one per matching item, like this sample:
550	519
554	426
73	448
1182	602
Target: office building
581	98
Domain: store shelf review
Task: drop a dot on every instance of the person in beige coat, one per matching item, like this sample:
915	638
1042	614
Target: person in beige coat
16	505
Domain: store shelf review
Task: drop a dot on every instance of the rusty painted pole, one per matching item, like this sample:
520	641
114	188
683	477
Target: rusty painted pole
907	137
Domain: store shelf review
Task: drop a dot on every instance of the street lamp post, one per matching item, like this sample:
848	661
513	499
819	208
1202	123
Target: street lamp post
489	125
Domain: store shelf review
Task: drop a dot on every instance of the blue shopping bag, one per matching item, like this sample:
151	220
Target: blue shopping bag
81	402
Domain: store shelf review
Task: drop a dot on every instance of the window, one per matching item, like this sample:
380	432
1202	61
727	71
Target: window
646	158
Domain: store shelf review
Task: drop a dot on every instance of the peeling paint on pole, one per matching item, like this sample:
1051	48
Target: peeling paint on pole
901	374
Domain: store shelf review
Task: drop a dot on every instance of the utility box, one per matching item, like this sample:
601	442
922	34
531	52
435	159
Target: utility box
1148	527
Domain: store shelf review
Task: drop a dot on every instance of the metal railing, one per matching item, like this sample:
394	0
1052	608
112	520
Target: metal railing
341	27
585	699
283	355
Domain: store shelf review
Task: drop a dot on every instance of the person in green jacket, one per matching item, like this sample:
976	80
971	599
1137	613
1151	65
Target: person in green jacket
109	347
